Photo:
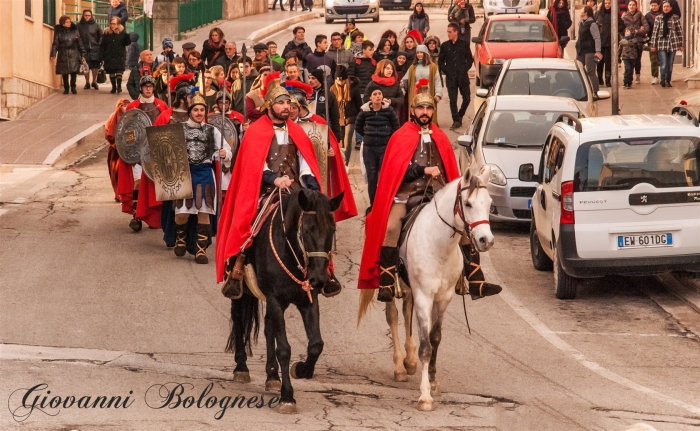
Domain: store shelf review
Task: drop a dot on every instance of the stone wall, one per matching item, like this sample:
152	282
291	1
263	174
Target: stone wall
17	94
164	22
239	8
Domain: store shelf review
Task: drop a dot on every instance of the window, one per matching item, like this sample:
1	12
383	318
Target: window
623	163
49	12
520	129
522	30
544	82
554	160
476	129
28	8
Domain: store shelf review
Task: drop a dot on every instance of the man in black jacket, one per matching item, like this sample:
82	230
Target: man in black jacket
320	58
454	61
298	43
363	67
132	84
316	80
230	56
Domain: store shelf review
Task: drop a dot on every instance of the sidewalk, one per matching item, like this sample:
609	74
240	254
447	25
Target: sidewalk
61	122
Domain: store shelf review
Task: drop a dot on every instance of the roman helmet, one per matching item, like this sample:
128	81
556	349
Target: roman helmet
180	86
272	91
300	92
146	77
421	94
195	99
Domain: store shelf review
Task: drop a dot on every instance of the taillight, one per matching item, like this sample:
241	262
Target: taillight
567	203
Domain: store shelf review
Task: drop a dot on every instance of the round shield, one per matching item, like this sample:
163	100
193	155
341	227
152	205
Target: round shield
131	137
146	161
229	130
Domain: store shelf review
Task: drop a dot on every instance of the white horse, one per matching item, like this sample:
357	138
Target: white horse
434	263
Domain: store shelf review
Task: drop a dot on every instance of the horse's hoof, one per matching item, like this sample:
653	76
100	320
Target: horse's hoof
410	368
288	408
241	376
293	370
273	386
425	406
400	376
435	390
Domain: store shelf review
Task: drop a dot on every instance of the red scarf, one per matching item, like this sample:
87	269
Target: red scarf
386	82
213	45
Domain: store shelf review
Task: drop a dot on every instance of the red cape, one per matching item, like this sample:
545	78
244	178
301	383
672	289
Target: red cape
397	157
241	204
125	177
339	178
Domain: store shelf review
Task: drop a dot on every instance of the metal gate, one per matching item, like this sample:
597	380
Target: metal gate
195	13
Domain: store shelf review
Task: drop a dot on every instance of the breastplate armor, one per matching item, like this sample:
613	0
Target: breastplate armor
426	155
151	110
198	148
282	160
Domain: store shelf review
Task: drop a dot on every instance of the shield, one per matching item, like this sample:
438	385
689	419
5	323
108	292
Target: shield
171	168
228	129
131	136
318	133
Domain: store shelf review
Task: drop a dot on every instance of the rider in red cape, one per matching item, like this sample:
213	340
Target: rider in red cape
398	154
417	154
153	107
241	205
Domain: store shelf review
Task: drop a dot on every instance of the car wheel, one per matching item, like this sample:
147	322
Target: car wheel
375	19
477	82
329	20
540	260
564	285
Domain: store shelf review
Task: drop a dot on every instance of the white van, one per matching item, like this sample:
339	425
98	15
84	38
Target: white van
616	195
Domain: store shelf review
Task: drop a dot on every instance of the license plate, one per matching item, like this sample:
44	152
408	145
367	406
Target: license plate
645	240
398	1
511	11
529	204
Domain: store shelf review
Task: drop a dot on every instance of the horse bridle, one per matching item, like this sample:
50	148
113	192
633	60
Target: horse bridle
458	209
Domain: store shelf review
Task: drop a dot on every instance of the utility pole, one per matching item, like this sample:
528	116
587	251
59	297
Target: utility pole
614	42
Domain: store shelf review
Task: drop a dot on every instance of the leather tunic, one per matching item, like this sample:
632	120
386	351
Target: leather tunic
283	160
151	110
426	155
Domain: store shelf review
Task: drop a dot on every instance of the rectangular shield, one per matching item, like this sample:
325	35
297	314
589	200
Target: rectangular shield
171	168
318	133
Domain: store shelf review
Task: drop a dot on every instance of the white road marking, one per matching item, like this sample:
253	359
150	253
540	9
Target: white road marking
565	347
19	201
623	334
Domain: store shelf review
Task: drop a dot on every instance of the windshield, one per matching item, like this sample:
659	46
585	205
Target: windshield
520	129
547	82
622	164
522	30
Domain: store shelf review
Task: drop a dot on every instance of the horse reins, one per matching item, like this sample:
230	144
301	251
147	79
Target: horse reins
458	209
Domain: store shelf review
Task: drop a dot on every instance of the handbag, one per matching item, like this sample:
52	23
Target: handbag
84	68
101	76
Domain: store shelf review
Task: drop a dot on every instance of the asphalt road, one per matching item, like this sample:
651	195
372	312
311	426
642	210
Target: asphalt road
91	309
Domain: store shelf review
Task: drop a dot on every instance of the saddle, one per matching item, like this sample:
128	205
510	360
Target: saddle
413	208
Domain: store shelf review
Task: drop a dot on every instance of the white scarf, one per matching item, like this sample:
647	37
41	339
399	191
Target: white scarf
151	99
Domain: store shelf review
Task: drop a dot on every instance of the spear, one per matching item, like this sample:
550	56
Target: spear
244	51
326	69
167	68
221	161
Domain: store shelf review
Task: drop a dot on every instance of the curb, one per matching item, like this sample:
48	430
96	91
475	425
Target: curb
274	28
82	137
684	293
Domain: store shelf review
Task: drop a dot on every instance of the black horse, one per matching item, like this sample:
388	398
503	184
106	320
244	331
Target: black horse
292	252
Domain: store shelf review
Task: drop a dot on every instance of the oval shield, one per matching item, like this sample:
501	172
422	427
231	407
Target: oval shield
131	136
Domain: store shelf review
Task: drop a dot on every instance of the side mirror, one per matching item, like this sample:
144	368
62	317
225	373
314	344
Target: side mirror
603	94
526	173
564	40
467	142
482	92
477	40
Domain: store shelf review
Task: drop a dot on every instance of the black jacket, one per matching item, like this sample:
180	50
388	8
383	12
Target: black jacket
363	69
120	12
91	36
133	84
334	122
68	48
455	58
376	127
113	49
303	47
352	108
226	62
563	22
392	92
208	53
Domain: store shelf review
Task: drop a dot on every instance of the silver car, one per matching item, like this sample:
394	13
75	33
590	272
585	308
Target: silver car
508	131
351	9
556	77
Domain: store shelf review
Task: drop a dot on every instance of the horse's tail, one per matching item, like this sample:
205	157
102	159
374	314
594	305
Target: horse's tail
366	297
244	310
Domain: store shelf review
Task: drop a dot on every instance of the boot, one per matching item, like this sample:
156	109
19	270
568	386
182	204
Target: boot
478	287
119	84
73	78
388	265
180	239
232	287
332	286
135	224
114	85
202	243
66	85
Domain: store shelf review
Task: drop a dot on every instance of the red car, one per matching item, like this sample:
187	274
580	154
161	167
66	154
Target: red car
503	37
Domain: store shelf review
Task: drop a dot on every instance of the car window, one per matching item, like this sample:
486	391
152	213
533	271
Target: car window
554	159
520	129
478	122
522	30
544	82
623	163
